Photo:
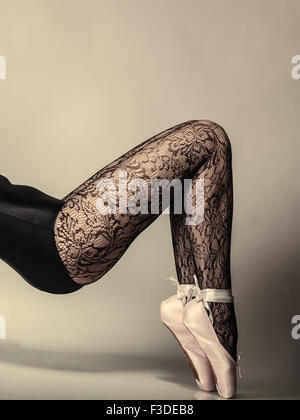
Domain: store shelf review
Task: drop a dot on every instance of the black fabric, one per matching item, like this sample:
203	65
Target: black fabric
27	244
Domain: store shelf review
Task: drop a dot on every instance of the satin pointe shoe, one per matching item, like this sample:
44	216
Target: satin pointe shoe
27	245
172	311
198	318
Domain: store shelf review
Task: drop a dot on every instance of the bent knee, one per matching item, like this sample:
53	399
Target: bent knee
213	132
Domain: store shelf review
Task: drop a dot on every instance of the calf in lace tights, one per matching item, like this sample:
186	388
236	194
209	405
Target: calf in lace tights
90	243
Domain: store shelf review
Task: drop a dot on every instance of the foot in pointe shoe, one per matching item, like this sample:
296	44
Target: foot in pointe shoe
199	319
172	311
189	317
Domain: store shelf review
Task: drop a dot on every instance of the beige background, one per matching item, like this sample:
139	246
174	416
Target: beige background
88	80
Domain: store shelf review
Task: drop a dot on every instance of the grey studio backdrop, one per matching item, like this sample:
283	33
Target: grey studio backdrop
88	80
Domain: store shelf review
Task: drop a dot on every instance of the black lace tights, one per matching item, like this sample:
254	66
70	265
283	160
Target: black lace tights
90	242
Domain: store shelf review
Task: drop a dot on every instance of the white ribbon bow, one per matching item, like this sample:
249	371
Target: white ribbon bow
186	292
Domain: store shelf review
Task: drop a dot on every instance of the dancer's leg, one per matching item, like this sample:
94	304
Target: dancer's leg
183	249
90	243
204	249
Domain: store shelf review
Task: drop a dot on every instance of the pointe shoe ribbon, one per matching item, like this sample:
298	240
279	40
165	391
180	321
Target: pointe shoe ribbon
211	295
184	291
238	364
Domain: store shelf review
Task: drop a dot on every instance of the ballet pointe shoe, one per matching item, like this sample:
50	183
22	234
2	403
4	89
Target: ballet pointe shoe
172	310
27	245
198	318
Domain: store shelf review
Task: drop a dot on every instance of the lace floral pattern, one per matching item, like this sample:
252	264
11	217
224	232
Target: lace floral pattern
90	244
225	326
